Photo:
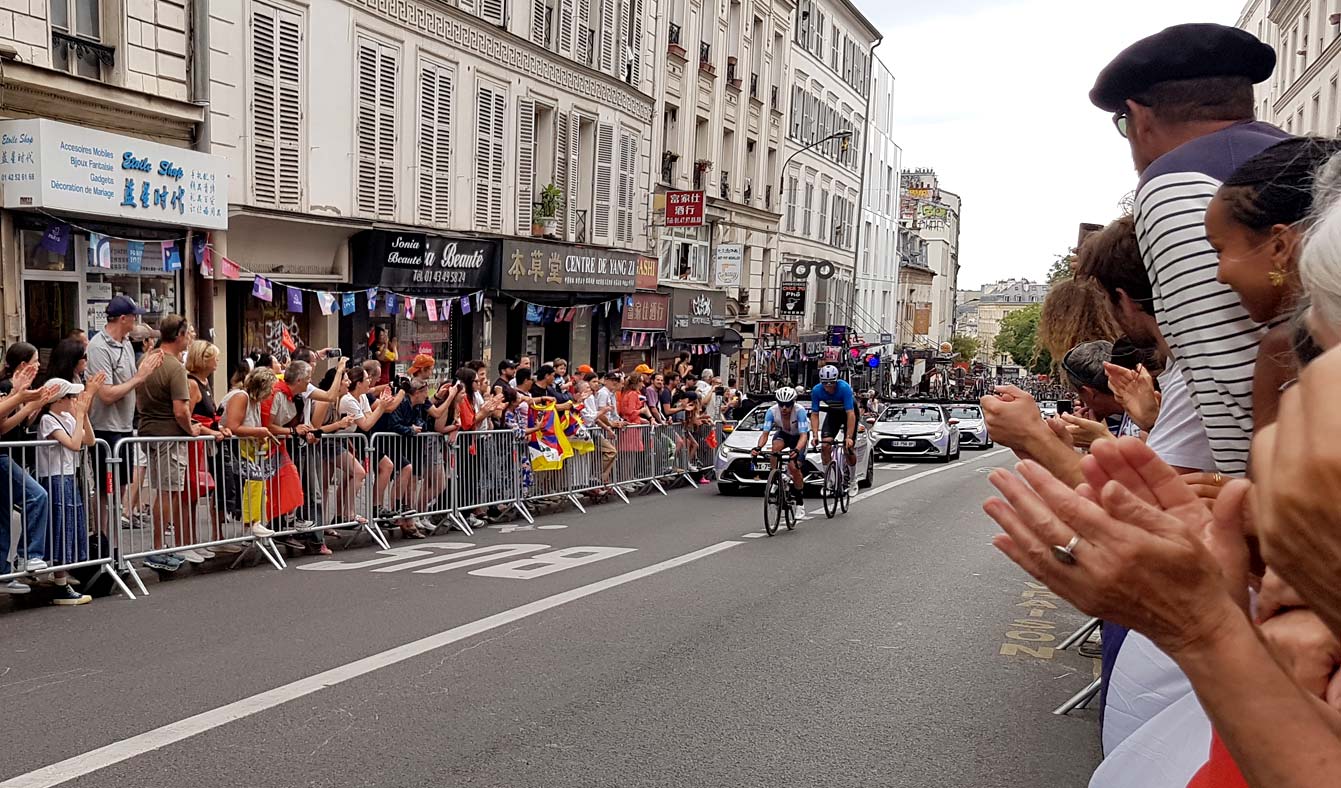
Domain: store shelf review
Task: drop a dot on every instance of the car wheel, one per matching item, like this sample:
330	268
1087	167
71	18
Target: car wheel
944	458
727	489
865	484
955	456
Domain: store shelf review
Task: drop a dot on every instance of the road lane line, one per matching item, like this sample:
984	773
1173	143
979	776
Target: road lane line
102	757
897	483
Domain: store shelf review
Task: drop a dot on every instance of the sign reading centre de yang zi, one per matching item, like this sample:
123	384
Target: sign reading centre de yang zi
62	167
566	268
684	209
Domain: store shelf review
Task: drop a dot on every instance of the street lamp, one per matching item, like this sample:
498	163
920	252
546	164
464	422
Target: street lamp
844	135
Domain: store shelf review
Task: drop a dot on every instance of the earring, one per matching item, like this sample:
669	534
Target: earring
1277	276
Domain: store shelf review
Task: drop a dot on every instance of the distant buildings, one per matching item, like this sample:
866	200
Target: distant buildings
929	214
979	313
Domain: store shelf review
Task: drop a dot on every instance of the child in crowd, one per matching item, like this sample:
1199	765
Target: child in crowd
65	421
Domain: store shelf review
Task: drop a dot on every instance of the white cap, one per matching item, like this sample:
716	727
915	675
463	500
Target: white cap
65	388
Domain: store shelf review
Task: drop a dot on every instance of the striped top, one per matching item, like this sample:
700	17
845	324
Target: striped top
1208	331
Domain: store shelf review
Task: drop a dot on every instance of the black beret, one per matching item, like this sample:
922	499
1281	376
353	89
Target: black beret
1192	51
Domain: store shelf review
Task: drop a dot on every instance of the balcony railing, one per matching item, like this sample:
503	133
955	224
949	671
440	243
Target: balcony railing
673	34
749	192
698	179
774	98
704	53
668	160
726	185
731	71
754	86
580	227
768	196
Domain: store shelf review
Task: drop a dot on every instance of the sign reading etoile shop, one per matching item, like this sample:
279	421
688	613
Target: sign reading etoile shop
73	169
697	314
566	268
431	263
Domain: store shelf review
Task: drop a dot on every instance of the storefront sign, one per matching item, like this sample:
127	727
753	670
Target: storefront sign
647	273
418	262
63	167
886	339
648	312
566	268
792	300
697	314
727	260
684	209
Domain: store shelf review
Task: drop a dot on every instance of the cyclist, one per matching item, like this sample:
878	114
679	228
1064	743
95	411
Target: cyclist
787	426
834	397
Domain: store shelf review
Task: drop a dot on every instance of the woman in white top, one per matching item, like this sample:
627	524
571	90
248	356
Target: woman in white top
66	422
346	467
242	417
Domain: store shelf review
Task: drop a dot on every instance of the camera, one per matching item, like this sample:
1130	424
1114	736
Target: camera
401	383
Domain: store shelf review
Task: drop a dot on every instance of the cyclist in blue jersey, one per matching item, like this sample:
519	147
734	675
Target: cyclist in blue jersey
786	425
835	398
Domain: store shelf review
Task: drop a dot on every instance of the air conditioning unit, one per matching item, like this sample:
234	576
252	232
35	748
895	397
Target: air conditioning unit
1334	19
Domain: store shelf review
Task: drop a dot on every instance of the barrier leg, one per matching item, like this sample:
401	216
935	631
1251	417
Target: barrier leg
1080	634
120	584
461	524
657	484
577	503
373	531
275	560
521	507
1080	700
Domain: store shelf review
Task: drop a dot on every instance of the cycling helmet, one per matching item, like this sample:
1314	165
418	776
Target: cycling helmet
828	373
785	395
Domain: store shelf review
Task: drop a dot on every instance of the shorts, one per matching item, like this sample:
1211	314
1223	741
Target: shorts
100	465
166	466
790	440
835	421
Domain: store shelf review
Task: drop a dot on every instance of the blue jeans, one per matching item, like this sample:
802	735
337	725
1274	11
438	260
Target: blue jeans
16	482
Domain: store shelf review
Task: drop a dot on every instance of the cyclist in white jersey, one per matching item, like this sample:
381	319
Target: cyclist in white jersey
788	426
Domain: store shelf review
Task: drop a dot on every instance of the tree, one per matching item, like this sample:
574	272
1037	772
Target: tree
1061	267
1018	338
967	347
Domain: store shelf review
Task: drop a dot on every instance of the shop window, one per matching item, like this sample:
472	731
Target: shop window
38	257
76	38
684	255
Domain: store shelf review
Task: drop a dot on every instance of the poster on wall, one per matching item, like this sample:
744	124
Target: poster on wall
727	262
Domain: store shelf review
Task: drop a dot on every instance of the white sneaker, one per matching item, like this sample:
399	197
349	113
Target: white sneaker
204	552
34	565
799	511
259	531
475	522
191	556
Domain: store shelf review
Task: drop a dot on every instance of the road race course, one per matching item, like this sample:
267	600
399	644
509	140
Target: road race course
892	646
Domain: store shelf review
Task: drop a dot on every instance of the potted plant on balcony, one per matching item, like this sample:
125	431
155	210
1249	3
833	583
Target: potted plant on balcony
546	218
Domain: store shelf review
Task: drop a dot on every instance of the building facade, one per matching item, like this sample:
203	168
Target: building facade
983	310
481	162
932	214
912	299
1302	96
878	259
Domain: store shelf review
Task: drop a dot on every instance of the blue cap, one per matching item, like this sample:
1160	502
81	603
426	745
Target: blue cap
121	306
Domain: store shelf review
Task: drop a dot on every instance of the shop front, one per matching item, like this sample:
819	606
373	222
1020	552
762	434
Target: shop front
642	330
697	325
90	215
561	300
446	278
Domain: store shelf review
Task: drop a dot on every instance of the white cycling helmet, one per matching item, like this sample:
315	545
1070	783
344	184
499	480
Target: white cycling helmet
828	373
785	395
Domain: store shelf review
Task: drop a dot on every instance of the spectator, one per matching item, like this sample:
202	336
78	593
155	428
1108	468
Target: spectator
242	416
525	363
164	403
682	364
347	470
69	361
407	421
603	404
560	372
1102	416
422	367
1075	311
19	407
66	422
285	421
515	419
381	349
202	360
652	398
507	370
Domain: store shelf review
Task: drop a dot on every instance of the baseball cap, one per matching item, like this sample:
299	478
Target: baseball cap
121	306
421	361
643	369
584	369
65	388
506	363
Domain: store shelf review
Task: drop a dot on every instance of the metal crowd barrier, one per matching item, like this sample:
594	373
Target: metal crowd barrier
414	474
487	472
49	501
582	473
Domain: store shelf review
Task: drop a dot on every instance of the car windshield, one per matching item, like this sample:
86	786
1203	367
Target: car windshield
911	415
969	413
754	420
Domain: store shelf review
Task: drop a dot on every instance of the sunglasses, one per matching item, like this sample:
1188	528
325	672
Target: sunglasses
1120	121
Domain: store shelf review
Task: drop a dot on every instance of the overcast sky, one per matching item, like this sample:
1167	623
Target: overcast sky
992	94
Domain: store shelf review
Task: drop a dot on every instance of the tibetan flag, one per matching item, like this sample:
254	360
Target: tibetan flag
372	300
431	306
230	269
99	250
465	305
347	305
326	301
549	446
392	301
262	289
577	436
295	299
134	256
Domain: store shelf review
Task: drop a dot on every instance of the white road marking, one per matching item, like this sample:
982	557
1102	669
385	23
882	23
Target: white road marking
900	482
549	527
755	535
101	758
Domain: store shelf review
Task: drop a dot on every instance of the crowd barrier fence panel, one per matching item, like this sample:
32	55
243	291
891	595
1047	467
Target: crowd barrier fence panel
415	473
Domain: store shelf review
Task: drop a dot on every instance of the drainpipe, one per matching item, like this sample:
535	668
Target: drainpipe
199	39
861	191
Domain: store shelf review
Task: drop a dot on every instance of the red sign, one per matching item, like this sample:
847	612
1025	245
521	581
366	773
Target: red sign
646	277
684	209
648	312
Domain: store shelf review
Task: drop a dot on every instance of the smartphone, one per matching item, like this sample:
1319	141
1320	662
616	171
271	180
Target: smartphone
1063	406
334	352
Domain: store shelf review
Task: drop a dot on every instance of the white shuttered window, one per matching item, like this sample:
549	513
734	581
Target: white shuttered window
277	106
561	170
378	69
491	11
628	162
605	178
437	86
525	164
490	106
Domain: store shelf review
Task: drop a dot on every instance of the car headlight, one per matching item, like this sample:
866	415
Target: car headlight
939	433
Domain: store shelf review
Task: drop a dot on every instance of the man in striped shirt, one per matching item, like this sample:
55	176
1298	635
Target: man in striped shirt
1183	98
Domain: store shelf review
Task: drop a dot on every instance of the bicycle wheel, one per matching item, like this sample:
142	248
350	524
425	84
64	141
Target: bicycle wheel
844	488
772	514
785	502
829	491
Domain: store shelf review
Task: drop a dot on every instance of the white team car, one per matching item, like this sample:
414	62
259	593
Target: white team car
972	427
737	470
916	429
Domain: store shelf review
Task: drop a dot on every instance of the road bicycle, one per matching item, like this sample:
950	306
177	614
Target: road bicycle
777	491
835	491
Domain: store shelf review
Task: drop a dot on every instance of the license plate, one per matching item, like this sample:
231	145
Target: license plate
762	466
903	444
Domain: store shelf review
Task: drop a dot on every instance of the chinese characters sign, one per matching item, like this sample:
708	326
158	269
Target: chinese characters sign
59	166
564	268
684	209
648	312
728	258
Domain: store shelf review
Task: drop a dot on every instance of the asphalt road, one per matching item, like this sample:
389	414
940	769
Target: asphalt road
889	647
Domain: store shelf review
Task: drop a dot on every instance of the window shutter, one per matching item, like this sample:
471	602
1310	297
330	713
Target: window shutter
638	42
290	126
628	155
436	87
566	14
608	36
490	106
574	172
538	22
525	164
366	174
581	47
621	39
492	11
387	73
561	169
264	105
605	176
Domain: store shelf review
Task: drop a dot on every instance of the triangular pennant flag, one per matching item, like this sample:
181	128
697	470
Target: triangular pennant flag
479	300
295	299
172	259
626	338
465	305
134	256
447	307
230	269
99	250
372	299
326	301
206	262
286	339
431	305
199	249
607	308
56	239
561	314
409	308
347	304
392	301
262	289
